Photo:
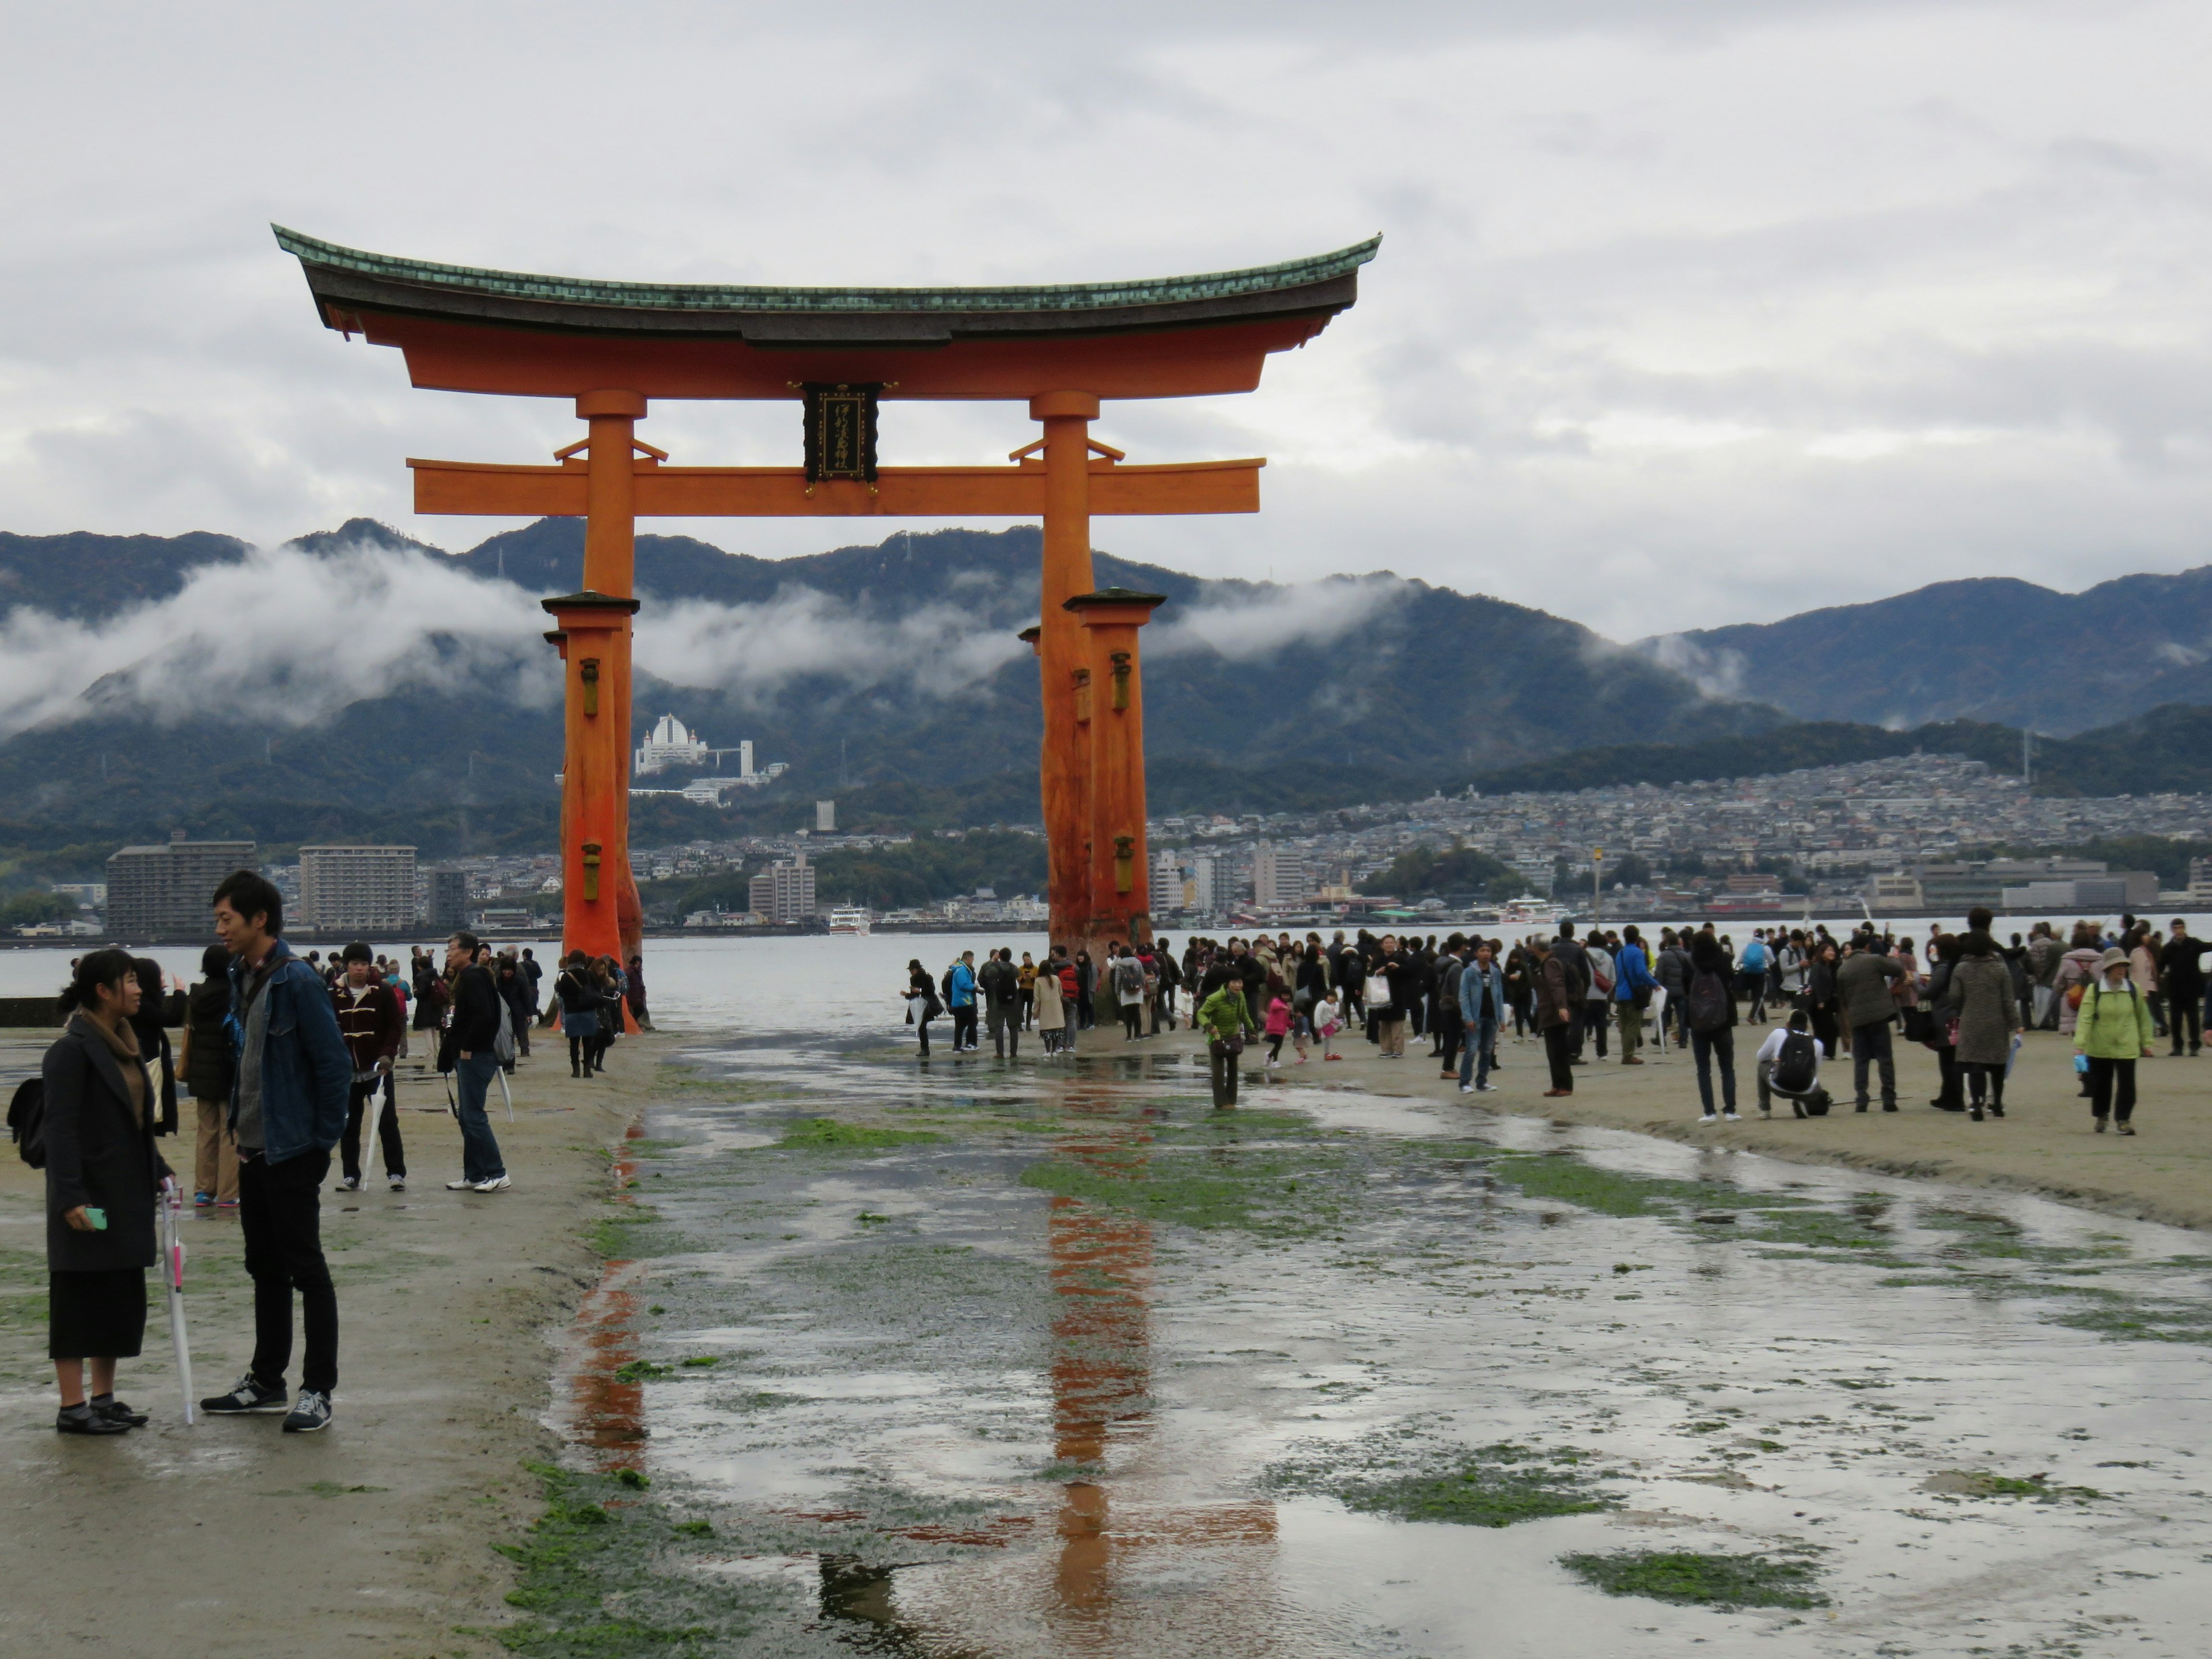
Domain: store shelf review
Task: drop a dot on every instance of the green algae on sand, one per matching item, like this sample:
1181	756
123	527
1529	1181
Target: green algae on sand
1699	1579
1493	1485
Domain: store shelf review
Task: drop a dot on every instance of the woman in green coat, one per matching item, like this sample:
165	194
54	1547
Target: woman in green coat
2113	1029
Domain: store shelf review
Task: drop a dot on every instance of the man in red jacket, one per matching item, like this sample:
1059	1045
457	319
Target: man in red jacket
370	1021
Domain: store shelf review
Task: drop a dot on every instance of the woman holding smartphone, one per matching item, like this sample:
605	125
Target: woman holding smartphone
103	1177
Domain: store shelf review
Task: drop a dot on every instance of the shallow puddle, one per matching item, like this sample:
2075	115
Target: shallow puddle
1038	1363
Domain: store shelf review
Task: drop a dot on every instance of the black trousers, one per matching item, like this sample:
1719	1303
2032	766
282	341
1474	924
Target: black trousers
1594	1019
1870	1046
1225	1066
1980	1075
583	1052
387	1132
2112	1088
1450	1029
963	1028
1005	1021
280	1213
2188	1016
1558	1049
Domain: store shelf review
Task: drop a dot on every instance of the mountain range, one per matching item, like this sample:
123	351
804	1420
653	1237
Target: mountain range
1259	696
1993	648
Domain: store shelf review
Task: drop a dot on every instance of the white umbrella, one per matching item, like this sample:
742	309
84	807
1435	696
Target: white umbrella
507	1092
172	1274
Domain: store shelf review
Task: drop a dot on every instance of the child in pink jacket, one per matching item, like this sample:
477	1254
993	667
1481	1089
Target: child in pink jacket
1279	1027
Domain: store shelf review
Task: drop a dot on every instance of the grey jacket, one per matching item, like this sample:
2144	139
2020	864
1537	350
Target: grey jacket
1863	988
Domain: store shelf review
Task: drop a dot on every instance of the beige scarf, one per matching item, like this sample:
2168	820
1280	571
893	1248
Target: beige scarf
123	1045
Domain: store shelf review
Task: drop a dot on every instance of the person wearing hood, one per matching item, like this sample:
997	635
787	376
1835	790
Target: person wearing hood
2113	1031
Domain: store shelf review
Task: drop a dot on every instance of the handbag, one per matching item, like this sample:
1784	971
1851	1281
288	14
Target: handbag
1378	992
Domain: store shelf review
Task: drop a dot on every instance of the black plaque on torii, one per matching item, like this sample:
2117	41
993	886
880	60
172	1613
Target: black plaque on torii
841	429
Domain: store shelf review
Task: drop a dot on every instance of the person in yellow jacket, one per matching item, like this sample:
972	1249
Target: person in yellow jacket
2113	1030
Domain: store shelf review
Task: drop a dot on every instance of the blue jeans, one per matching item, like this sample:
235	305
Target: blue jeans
1481	1044
480	1158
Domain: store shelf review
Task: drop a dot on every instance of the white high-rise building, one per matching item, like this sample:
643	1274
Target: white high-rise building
744	758
1167	884
671	745
1202	895
1279	876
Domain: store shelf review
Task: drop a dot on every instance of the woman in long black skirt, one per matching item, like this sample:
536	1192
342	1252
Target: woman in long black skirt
102	1179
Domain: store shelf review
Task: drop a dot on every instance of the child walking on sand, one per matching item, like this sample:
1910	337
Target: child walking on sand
1279	1027
1327	1021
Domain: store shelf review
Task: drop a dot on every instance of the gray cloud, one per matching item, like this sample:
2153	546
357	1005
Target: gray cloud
1692	310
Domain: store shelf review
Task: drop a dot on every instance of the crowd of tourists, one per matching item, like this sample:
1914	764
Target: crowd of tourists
285	1060
1602	994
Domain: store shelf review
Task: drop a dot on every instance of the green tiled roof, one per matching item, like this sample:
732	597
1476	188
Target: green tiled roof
700	296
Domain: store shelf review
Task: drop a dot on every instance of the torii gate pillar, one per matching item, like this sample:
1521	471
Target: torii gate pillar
593	639
1065	762
1120	897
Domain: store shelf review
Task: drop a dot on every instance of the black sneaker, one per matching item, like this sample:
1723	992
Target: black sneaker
311	1415
82	1418
116	1411
247	1397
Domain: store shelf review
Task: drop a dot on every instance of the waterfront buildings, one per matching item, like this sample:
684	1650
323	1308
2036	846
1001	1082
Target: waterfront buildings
168	891
357	890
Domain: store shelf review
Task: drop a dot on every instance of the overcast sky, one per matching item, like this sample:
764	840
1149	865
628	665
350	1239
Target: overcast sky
1686	313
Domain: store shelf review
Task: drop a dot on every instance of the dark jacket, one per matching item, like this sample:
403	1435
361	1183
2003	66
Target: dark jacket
371	1028
2178	965
1706	956
1557	994
209	1067
96	1154
307	1076
477	1015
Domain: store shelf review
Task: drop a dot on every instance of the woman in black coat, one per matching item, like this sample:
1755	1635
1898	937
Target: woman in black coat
103	1177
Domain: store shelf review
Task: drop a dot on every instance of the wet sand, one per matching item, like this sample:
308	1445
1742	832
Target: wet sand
2044	1144
375	1537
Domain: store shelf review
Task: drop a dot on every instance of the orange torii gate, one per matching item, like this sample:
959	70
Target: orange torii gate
614	347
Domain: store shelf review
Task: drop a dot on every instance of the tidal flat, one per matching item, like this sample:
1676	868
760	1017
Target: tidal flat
978	1361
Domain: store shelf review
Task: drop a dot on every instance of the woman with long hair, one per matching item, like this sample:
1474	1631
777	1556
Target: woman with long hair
103	1180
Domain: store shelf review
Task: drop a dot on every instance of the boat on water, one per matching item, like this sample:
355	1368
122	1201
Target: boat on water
850	919
1530	914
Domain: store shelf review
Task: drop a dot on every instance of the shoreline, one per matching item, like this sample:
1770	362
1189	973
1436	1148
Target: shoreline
2042	1146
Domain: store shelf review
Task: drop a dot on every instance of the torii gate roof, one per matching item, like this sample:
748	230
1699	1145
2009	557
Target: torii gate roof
468	330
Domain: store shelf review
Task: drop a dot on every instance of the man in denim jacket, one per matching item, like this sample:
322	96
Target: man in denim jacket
288	1108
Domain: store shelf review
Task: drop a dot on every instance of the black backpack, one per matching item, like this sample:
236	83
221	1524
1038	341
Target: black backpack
1708	1005
26	1122
1797	1064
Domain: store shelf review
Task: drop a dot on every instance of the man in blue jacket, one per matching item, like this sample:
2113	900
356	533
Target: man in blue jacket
960	997
1481	1006
1632	986
288	1108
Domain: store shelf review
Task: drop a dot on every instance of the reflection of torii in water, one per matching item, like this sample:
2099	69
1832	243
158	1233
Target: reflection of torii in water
1101	1272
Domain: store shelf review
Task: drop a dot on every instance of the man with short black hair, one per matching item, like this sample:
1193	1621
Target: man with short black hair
369	1021
288	1108
469	1054
1000	982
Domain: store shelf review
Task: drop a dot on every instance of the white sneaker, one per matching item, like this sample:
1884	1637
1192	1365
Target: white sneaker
347	1184
1467	1088
399	1183
496	1184
1731	1117
460	1186
1709	1118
